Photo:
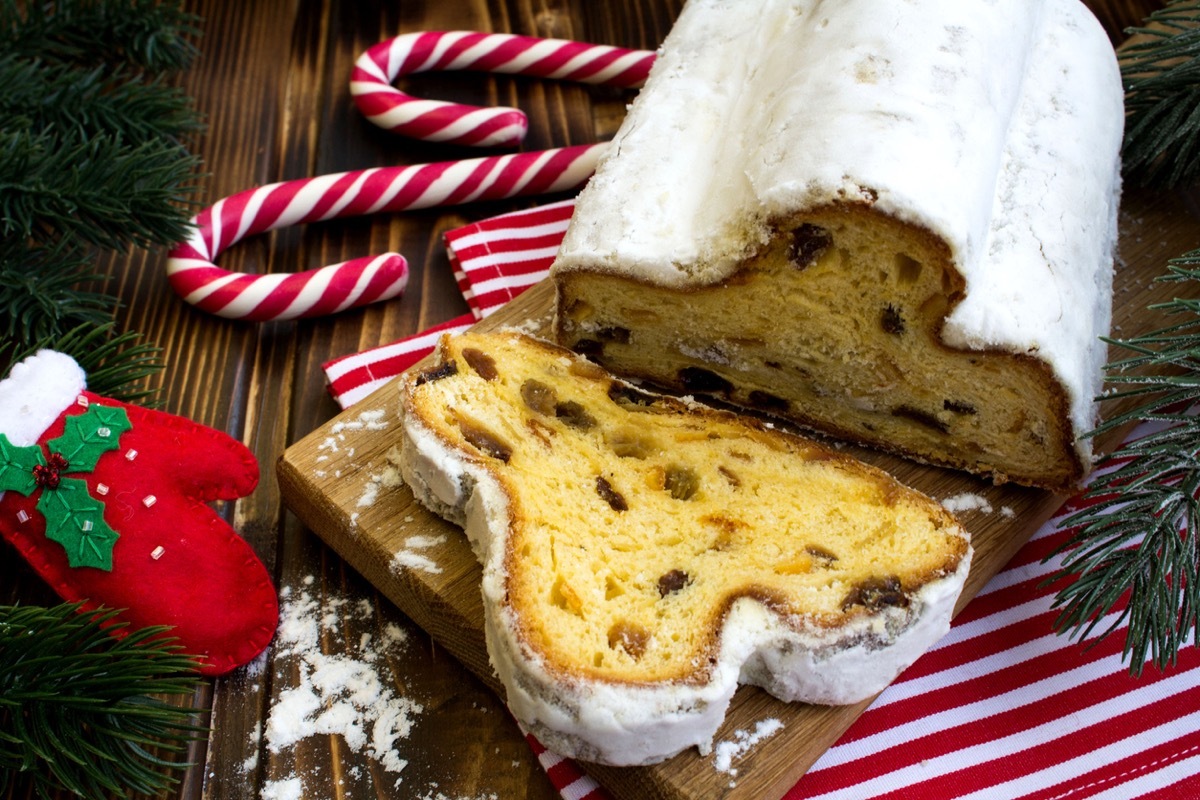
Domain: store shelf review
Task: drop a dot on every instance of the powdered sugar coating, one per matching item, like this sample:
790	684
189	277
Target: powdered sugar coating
999	132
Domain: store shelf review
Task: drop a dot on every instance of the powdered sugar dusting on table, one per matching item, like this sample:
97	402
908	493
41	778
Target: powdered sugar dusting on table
725	752
348	694
967	502
413	557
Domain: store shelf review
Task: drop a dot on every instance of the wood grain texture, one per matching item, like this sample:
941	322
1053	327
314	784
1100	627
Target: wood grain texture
272	83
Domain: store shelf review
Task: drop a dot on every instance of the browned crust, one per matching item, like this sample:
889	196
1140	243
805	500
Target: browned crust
772	599
1068	479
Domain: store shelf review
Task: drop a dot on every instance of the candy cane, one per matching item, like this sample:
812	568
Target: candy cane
260	298
437	121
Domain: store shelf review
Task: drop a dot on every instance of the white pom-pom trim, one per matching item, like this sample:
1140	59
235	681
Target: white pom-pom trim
35	392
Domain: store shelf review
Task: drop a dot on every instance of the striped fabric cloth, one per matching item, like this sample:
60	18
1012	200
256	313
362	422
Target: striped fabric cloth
1001	708
353	377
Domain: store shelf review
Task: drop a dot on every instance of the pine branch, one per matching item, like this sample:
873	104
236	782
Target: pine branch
76	710
1161	74
86	103
91	155
144	33
1139	544
116	364
40	296
95	190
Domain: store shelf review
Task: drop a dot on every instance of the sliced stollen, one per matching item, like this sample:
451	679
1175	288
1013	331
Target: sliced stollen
893	222
642	555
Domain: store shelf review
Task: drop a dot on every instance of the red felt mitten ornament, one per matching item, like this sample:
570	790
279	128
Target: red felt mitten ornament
108	502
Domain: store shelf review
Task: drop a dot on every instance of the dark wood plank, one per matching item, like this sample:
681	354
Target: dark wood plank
272	83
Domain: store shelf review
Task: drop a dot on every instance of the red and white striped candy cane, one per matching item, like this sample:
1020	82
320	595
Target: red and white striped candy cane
437	121
259	298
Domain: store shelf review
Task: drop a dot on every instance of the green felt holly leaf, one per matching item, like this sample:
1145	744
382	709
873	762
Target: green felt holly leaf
75	520
16	466
89	435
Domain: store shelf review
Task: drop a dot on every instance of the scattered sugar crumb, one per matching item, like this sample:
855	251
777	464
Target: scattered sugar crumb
967	502
409	558
370	492
389	478
257	667
372	420
251	762
725	752
291	788
344	693
1007	511
533	326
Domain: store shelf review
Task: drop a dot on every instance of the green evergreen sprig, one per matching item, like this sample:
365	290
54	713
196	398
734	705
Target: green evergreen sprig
96	190
1161	74
40	292
146	33
1139	543
83	102
93	156
115	363
82	711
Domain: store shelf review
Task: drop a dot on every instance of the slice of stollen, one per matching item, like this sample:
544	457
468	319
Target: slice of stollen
643	555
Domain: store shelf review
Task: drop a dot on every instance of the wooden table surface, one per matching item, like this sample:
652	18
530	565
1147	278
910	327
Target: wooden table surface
272	83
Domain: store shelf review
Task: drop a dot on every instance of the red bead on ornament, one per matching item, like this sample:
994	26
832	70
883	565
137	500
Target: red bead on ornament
47	475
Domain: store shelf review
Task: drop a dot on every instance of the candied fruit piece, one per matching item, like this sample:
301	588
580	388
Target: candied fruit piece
485	441
574	415
730	476
821	554
628	442
437	373
891	321
481	362
681	482
672	581
627	396
630	637
959	407
610	495
698	379
876	593
539	397
589	348
566	598
767	401
614	333
808	243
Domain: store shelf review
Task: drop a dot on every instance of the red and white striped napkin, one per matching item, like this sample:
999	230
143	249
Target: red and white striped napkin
1001	708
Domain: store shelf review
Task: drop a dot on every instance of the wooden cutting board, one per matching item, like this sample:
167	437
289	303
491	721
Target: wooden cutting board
340	481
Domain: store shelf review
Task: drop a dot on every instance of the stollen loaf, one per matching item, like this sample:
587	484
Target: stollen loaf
890	221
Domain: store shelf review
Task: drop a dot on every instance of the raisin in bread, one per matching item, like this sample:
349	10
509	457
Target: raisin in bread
893	222
642	555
